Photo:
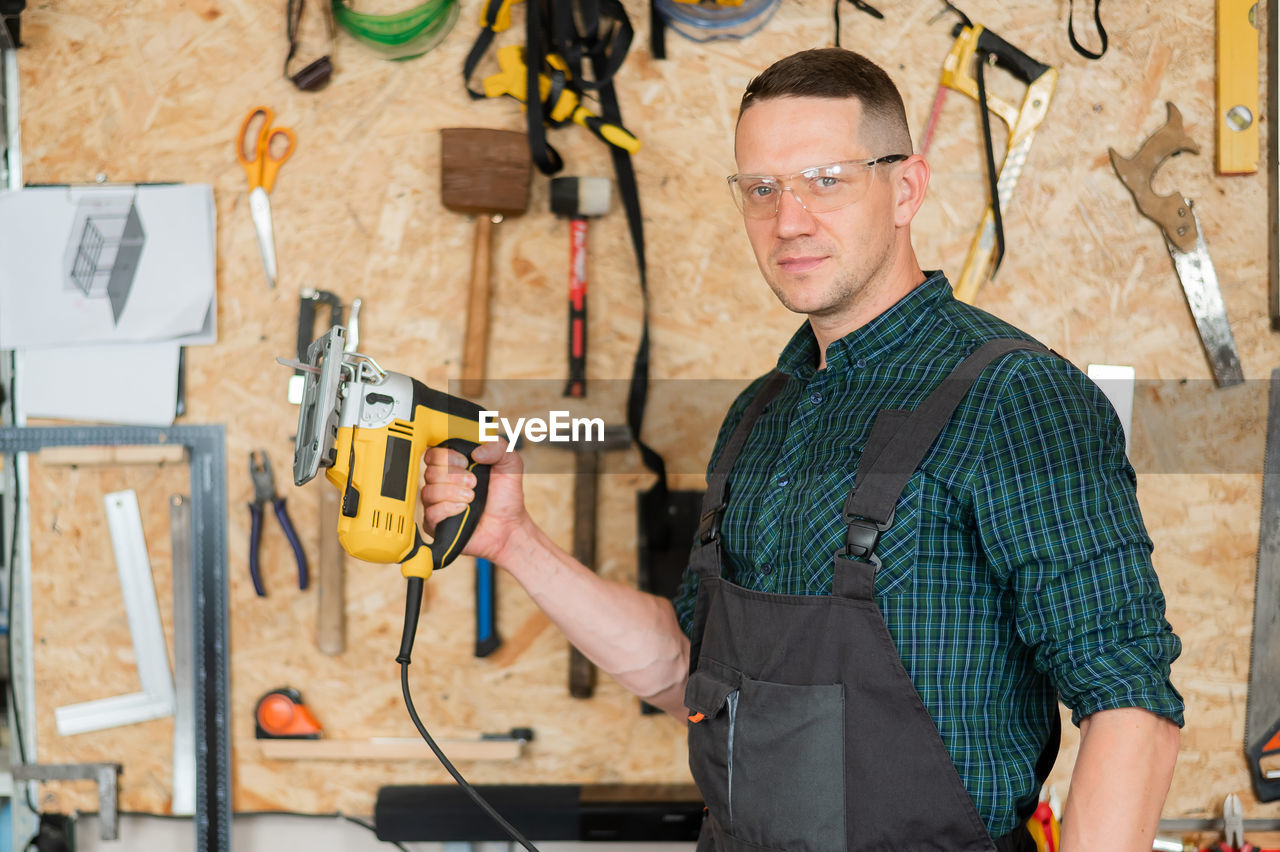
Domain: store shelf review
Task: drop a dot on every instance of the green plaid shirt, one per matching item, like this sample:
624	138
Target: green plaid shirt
1018	564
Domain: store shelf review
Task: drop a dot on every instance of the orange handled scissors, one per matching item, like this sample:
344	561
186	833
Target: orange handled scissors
261	165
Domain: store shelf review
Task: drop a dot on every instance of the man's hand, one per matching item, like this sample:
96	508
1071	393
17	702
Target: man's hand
629	634
449	486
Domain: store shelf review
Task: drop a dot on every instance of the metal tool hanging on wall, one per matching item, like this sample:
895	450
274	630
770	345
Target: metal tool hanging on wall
963	70
264	492
1176	216
1262	708
1273	169
208	623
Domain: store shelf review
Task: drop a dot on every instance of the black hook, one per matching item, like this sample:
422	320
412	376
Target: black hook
948	6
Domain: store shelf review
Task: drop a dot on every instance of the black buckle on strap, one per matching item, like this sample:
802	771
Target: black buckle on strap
862	536
709	526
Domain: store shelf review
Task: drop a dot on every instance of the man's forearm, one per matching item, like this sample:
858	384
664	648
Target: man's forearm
1120	781
631	635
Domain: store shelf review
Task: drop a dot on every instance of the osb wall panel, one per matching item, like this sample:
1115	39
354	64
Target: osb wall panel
156	91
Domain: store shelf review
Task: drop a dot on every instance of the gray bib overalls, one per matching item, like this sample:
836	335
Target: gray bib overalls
807	734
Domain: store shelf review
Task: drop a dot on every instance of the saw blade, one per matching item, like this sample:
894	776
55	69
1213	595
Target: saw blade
1262	713
1204	296
320	409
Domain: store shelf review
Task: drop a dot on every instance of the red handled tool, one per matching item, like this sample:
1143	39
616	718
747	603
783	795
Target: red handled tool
1233	829
578	198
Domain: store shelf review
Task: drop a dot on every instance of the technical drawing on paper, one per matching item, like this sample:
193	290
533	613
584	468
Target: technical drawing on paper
104	248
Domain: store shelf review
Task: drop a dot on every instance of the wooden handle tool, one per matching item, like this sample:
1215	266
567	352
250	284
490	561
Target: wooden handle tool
484	173
331	594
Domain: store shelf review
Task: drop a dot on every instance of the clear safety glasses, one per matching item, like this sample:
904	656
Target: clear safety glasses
819	189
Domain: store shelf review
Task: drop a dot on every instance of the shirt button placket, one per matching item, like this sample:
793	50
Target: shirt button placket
769	580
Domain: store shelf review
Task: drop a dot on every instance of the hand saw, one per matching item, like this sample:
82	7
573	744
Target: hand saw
1262	713
973	44
1177	218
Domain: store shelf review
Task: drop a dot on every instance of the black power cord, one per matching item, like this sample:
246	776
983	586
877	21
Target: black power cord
412	606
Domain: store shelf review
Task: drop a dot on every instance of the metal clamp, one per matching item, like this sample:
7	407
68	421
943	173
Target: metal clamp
104	773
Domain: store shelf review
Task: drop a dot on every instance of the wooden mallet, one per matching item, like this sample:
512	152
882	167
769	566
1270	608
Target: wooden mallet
484	173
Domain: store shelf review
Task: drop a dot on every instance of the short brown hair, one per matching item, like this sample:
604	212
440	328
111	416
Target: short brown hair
833	72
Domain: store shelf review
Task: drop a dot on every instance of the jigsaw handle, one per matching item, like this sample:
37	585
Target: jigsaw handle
452	533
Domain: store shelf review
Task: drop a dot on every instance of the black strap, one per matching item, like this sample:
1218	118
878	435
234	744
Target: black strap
11	18
877	487
706	557
1097	21
604	64
1018	840
480	48
657	33
992	175
861	5
545	157
597	32
893	452
1049	754
316	74
718	483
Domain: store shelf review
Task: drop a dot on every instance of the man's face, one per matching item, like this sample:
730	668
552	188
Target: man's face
816	263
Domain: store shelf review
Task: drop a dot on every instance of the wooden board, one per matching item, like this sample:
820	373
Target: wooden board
156	91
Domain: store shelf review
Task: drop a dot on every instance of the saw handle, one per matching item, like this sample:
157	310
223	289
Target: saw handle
1171	212
1267	789
1010	58
453	533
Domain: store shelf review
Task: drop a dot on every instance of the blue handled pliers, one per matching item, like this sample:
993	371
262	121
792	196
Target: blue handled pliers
264	491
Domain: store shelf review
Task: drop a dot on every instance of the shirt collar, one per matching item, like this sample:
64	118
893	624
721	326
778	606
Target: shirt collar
865	345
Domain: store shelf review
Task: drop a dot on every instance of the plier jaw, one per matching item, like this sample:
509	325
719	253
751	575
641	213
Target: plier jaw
264	491
1233	821
1232	828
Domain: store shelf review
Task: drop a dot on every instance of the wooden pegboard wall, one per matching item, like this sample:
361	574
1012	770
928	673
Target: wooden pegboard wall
156	91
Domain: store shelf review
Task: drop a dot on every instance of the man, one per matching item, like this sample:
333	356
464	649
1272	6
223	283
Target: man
877	669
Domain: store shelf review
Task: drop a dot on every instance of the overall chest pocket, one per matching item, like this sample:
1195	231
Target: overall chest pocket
769	759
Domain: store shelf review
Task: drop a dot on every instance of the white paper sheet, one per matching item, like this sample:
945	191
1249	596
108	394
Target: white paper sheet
106	265
1117	383
130	383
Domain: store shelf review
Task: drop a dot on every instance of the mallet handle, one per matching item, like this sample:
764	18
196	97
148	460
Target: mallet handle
577	384
476	344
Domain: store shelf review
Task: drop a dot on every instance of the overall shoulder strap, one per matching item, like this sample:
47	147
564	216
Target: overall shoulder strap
707	556
880	480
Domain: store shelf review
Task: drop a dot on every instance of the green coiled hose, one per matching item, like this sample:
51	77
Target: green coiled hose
402	35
